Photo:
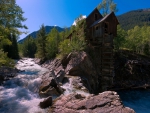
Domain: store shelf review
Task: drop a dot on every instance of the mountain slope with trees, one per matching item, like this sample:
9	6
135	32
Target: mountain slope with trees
134	18
47	30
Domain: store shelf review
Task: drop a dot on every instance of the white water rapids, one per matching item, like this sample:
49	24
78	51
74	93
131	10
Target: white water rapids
20	94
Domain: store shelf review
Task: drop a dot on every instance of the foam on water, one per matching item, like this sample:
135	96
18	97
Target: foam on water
69	88
20	94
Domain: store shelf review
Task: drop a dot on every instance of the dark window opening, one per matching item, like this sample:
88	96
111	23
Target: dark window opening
106	27
97	28
95	16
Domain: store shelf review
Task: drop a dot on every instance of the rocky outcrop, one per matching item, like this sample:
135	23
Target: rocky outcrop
75	64
131	71
50	86
51	80
78	71
80	64
106	102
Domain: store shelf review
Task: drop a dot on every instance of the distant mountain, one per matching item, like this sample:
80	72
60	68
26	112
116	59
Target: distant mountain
136	17
47	29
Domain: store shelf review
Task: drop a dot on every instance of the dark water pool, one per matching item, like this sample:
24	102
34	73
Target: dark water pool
139	100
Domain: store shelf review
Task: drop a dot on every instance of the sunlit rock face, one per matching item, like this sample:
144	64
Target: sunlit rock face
106	102
20	94
80	64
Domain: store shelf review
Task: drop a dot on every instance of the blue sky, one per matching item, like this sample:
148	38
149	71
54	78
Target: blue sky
63	12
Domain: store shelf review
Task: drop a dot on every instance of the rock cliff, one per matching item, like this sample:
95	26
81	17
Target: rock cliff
106	102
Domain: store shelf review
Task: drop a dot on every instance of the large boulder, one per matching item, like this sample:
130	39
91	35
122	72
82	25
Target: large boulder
50	86
55	66
51	80
80	64
46	103
106	102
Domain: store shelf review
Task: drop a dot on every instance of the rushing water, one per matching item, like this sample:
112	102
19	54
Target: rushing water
139	100
69	88
20	94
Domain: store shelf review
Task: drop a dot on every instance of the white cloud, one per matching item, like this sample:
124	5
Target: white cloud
80	18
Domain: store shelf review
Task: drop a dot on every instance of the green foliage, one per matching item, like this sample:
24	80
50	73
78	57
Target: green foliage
53	40
138	39
64	34
65	47
12	49
41	43
5	61
107	6
134	18
146	49
120	39
77	41
11	18
29	47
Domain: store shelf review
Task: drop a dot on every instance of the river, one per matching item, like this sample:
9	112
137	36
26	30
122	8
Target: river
139	100
20	94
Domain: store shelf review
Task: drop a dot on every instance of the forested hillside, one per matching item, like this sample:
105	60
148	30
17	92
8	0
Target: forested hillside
134	18
47	30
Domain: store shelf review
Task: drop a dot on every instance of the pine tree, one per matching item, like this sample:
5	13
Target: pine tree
41	43
53	40
12	50
29	47
15	52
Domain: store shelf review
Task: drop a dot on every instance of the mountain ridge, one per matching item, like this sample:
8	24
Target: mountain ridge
47	29
132	18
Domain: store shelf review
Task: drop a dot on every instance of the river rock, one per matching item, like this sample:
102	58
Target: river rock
106	102
7	73
49	86
56	67
46	103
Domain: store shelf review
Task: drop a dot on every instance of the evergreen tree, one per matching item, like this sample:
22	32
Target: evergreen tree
29	47
12	49
15	52
41	43
53	40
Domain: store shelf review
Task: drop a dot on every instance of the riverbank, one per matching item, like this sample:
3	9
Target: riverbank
70	79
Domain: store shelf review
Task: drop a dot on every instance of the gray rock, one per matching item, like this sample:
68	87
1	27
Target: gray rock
106	102
46	103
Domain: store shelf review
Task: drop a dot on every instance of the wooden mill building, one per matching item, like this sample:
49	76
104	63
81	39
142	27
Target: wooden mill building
100	34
